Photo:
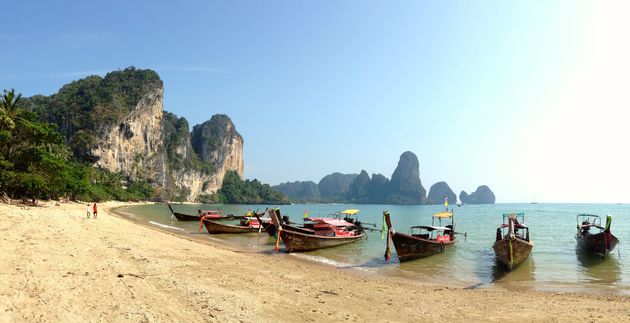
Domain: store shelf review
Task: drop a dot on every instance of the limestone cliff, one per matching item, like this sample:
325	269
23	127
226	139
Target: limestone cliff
483	195
217	141
406	187
184	164
117	122
133	146
439	192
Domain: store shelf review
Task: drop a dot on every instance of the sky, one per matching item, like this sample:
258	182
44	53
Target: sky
531	98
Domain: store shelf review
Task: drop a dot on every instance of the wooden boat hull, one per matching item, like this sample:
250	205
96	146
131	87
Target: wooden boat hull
299	241
514	256
410	247
271	229
596	243
186	217
215	228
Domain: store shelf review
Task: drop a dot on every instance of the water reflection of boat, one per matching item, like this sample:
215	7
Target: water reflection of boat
522	276
598	270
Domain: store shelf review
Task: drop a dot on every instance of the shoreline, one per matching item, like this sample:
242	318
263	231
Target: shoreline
59	266
389	271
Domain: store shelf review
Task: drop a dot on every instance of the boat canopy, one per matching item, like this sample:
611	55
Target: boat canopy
589	215
431	228
442	215
350	211
335	222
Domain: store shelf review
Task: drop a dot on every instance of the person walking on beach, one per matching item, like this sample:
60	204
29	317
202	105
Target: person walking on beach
94	210
88	211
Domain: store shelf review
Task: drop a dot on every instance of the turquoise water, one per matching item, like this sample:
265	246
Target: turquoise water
553	265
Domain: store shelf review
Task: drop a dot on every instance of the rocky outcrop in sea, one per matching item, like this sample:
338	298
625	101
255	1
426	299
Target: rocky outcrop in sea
438	192
483	195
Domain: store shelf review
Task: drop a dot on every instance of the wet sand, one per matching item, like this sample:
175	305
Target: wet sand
56	265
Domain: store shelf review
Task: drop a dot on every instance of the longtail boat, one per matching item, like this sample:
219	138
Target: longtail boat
513	245
248	224
271	227
599	243
422	241
321	233
213	214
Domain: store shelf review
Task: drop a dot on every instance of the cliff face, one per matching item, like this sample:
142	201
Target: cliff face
118	123
185	164
406	187
216	141
133	146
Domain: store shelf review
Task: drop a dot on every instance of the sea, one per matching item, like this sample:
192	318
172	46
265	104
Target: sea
554	264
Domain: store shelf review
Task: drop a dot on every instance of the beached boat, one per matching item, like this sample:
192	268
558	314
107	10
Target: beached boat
182	216
246	225
513	245
272	228
599	243
320	234
211	214
422	241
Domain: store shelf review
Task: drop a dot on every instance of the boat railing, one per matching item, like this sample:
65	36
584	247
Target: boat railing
520	217
520	232
586	221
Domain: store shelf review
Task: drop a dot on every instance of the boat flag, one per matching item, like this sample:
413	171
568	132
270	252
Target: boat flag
446	203
305	214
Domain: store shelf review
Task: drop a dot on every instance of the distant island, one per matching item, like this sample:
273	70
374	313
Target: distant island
404	187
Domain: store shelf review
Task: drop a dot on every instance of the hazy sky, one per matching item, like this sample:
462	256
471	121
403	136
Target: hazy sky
528	97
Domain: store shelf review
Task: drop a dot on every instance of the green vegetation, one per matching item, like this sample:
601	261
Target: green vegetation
35	163
175	131
299	192
46	145
237	191
89	107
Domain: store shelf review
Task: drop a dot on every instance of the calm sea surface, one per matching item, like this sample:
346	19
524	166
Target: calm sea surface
553	265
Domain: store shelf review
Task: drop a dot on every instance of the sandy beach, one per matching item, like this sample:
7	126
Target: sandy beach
56	265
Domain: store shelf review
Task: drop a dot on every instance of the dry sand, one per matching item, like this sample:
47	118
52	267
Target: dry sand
56	265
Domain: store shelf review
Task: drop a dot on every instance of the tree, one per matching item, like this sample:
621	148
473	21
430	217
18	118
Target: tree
9	111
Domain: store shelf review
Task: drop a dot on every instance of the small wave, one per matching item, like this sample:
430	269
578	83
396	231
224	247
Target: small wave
166	226
328	261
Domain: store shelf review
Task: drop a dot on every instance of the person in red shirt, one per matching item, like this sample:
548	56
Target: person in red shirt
94	210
